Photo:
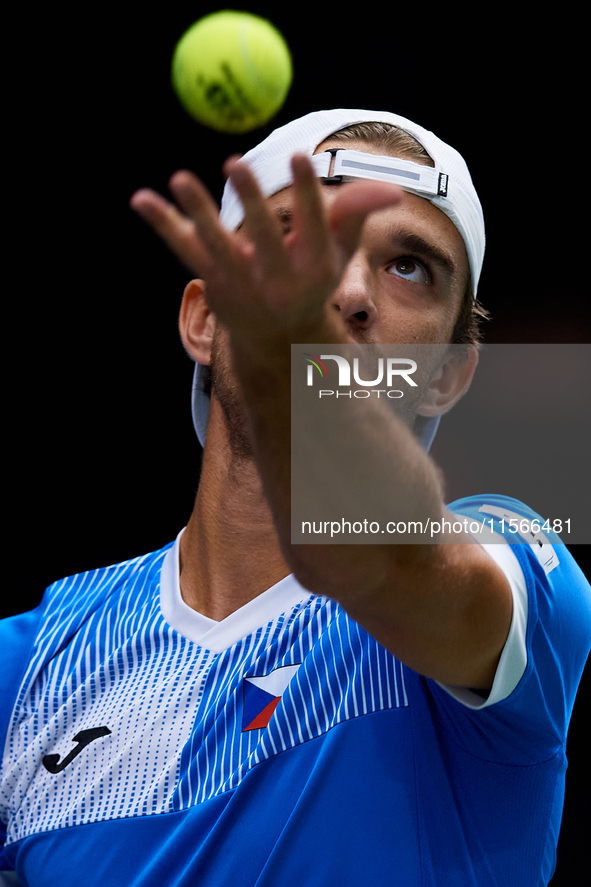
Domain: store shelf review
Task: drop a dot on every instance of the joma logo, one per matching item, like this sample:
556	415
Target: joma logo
53	764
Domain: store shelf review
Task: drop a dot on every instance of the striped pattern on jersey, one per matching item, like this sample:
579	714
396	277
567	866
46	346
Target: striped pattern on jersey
106	657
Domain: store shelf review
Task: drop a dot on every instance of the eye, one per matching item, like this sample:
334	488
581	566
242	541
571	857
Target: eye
285	218
409	269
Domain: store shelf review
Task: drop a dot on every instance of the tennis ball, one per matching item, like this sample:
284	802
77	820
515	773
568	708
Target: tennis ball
232	71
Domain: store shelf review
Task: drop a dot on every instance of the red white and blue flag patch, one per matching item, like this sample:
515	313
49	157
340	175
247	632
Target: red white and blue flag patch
262	695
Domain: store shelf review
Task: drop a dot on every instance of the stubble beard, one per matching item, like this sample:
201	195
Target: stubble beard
226	391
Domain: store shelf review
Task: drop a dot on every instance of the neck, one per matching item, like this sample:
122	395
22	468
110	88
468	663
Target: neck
229	552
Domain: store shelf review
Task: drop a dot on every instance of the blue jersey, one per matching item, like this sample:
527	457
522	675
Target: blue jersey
147	744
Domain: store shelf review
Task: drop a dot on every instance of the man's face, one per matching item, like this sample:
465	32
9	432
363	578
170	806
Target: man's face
407	281
404	285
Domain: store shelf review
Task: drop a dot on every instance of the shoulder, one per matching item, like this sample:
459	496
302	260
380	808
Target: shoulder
67	604
550	636
550	571
17	636
72	600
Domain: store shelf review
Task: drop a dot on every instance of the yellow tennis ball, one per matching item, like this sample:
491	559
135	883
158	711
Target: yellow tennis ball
232	71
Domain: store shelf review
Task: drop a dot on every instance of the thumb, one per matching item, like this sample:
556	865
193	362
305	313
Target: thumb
353	205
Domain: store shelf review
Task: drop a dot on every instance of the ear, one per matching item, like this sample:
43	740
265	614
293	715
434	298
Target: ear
196	323
450	382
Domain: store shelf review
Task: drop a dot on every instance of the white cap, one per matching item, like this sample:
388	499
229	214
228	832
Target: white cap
271	163
448	186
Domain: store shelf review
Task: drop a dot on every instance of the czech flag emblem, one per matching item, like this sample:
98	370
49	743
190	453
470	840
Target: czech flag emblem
262	695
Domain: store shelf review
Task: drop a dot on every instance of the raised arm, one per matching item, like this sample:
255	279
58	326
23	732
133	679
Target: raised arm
442	608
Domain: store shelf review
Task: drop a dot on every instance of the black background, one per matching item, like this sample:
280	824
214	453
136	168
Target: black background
101	460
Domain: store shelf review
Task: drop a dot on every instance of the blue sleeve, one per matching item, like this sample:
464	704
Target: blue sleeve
17	635
532	722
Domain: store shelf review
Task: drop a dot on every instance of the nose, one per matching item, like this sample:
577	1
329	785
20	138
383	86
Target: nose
354	297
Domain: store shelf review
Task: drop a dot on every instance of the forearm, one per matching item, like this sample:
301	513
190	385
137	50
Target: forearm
355	461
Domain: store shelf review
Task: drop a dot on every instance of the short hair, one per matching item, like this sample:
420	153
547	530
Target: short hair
396	142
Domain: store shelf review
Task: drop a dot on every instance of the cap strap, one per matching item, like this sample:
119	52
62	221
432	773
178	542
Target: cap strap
342	165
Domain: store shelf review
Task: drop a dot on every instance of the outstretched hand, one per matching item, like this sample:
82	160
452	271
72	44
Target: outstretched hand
261	282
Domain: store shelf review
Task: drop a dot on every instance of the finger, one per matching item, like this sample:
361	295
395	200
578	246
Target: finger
261	225
173	228
310	226
198	204
353	205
